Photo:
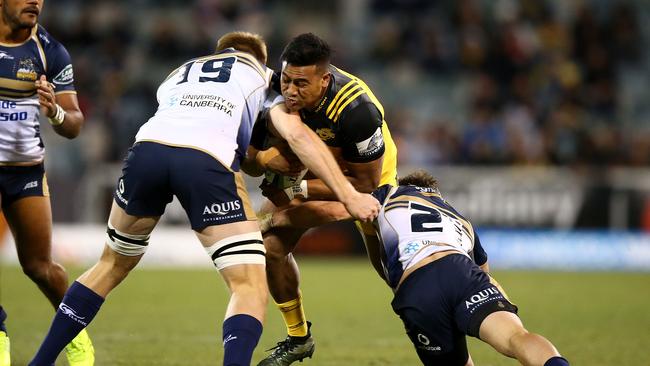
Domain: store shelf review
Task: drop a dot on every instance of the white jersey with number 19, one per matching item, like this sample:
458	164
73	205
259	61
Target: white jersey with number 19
210	104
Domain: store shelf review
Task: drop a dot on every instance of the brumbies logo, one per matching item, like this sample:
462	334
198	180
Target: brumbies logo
66	76
222	208
26	70
65	309
325	133
5	55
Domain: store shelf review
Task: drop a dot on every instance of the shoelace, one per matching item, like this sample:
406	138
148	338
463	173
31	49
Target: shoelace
282	346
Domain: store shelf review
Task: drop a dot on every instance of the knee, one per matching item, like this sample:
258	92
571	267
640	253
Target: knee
37	270
275	252
518	337
274	256
251	292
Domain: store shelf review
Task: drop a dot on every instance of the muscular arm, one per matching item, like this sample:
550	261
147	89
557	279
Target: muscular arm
317	158
316	213
310	214
364	177
249	165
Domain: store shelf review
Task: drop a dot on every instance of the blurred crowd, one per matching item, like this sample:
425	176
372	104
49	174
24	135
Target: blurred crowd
463	82
545	82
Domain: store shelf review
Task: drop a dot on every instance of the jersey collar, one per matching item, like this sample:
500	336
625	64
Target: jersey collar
327	96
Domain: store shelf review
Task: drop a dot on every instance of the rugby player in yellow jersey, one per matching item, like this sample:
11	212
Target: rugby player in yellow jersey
36	76
347	116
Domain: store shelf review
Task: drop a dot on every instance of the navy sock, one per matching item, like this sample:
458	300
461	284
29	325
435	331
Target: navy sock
241	333
556	361
75	312
3	317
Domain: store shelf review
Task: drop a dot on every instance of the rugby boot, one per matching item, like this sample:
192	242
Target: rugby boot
5	360
290	350
80	351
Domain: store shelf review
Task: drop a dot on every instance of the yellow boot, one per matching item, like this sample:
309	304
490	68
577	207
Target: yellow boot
80	351
5	359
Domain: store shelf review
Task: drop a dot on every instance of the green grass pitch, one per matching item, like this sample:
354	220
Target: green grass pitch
173	317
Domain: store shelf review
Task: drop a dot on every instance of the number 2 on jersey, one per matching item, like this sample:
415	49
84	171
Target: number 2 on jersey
220	67
424	222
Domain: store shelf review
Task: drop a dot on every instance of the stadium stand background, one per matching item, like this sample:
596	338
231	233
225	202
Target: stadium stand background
534	114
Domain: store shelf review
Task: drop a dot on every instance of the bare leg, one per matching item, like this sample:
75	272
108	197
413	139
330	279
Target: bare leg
30	220
505	332
113	267
282	270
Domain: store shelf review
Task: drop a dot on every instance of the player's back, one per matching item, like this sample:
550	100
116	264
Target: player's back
210	103
415	222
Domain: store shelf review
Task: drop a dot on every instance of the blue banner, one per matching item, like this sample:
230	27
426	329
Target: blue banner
567	250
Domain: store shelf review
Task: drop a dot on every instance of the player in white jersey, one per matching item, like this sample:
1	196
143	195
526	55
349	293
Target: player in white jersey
35	75
192	148
432	258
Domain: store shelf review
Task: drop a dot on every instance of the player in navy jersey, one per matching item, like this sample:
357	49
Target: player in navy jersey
432	258
35	75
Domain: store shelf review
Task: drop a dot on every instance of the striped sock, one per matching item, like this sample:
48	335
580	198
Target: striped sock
294	317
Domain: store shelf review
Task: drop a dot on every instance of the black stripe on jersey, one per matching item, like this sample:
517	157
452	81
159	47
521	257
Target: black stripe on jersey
396	204
348	100
466	231
218	252
245	251
365	87
113	235
337	98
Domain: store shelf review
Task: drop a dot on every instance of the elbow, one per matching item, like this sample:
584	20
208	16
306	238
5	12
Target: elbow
71	134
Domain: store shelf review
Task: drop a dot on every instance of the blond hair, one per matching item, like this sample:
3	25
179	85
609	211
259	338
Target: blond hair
246	42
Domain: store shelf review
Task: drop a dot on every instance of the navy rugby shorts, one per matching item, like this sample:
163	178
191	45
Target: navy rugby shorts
442	302
210	193
17	182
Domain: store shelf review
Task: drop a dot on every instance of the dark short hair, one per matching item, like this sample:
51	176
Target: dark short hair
419	178
305	50
244	41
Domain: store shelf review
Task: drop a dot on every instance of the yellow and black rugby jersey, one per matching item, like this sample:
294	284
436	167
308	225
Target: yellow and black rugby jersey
350	117
20	66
